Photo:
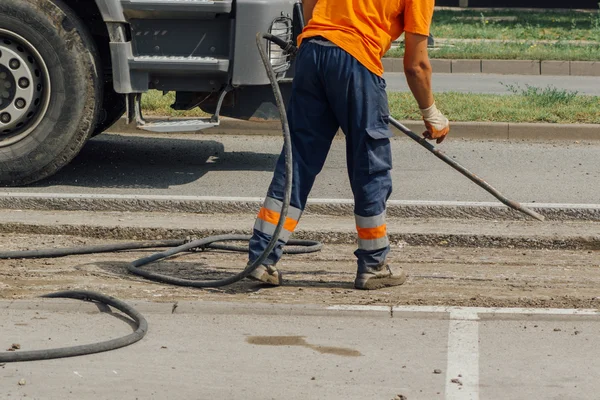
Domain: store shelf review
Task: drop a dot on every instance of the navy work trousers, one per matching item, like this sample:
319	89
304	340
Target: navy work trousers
331	89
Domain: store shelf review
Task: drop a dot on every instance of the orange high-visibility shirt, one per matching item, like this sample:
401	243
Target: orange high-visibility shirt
367	28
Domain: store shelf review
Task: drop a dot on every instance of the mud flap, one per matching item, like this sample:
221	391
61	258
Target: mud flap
253	103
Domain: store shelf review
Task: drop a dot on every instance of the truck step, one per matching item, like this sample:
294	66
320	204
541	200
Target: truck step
186	6
182	125
180	63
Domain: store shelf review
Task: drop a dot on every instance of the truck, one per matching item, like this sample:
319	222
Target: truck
69	69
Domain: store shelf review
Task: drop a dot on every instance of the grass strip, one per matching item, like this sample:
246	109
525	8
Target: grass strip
154	103
511	51
511	25
529	104
535	107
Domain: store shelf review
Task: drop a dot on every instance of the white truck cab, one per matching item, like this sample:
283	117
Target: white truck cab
69	69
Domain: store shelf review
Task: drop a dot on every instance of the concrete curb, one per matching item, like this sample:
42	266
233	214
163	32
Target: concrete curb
506	67
460	130
217	307
325	207
441	232
324	235
237	308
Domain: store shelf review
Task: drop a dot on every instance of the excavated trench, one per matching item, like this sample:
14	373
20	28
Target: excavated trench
497	277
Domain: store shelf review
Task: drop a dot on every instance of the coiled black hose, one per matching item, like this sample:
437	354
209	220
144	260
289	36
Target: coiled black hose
103	248
135	267
214	242
63	352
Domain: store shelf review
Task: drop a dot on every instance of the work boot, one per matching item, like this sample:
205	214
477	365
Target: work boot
266	274
379	277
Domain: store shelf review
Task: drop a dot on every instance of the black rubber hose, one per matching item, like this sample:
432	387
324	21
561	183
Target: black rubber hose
215	242
140	331
182	245
135	267
287	47
294	247
103	248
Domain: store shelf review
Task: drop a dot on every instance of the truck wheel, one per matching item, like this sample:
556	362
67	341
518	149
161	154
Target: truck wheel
49	89
113	108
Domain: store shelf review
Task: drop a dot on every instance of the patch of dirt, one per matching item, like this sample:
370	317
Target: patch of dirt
437	276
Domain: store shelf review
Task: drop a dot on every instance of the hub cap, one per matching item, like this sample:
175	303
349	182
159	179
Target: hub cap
24	88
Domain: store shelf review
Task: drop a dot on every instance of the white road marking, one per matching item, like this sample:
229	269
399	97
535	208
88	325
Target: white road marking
360	308
457	203
462	370
475	310
91	196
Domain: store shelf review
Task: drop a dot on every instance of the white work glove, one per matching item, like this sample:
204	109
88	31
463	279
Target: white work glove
437	125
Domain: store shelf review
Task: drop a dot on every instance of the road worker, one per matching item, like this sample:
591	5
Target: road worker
338	83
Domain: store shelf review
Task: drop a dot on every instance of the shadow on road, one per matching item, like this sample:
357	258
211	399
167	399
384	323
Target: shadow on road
115	161
103	308
202	271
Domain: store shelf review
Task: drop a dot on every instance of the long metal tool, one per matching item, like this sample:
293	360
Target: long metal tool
480	182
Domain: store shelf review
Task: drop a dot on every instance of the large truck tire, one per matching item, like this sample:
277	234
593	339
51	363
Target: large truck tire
50	89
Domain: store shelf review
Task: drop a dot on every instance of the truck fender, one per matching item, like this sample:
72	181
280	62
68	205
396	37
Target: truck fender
111	10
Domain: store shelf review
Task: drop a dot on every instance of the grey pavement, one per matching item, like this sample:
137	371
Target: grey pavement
226	351
241	166
328	229
495	84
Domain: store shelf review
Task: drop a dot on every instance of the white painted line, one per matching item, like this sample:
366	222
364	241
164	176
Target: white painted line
472	310
92	196
462	370
508	310
457	203
359	308
97	196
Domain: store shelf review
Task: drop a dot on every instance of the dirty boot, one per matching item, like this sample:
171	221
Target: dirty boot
269	275
380	277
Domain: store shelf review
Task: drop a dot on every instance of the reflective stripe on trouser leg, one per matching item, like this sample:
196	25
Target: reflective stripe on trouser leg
372	232
359	102
313	126
269	215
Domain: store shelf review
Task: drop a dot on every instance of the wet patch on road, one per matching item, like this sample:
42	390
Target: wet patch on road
300	341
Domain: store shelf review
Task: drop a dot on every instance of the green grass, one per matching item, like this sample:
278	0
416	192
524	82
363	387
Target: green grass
547	105
155	104
511	51
529	104
511	25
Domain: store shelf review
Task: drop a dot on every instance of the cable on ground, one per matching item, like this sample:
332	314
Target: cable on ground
213	242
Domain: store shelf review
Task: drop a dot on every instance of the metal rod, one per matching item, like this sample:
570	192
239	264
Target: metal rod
423	142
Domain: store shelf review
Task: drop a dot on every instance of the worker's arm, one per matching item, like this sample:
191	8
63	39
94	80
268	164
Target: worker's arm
417	69
308	6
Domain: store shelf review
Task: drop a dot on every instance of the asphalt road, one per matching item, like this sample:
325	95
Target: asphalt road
241	166
496	84
224	351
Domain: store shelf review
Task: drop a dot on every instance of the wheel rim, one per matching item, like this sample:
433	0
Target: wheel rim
24	88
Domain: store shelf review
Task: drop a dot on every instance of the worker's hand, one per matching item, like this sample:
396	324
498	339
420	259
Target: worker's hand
436	123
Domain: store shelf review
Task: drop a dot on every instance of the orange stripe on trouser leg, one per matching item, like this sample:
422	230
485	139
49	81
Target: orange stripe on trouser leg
372	233
273	217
